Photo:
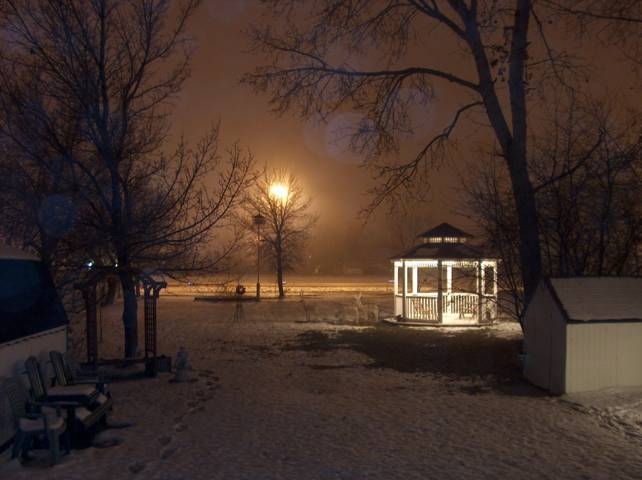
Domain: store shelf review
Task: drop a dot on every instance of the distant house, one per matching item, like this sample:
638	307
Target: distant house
584	333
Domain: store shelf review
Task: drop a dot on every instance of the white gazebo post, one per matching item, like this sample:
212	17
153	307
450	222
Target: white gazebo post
449	282
480	286
404	289
440	294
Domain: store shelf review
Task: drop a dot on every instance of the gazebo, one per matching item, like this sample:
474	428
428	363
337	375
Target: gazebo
444	280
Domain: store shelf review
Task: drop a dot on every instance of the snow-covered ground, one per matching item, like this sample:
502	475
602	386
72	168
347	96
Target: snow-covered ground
276	397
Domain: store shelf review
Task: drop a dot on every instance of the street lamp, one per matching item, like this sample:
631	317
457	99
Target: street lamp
279	191
258	220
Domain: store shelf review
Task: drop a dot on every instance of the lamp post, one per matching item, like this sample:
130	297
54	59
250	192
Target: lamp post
258	220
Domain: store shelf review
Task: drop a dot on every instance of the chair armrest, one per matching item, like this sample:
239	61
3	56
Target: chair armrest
89	378
32	416
60	403
39	405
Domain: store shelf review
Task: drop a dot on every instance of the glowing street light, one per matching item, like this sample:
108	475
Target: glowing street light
279	191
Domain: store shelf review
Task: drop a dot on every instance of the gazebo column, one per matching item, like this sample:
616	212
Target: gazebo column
480	287
440	294
449	287
495	273
404	289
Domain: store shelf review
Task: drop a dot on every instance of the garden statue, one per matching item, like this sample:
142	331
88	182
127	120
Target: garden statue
182	365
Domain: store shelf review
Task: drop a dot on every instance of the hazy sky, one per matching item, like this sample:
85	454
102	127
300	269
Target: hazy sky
329	173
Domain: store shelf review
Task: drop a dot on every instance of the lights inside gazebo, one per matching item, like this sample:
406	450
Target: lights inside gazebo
444	280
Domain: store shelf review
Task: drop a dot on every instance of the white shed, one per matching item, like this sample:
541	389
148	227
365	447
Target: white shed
584	333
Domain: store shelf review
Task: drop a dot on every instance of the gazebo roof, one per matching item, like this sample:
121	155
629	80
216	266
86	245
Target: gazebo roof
442	251
444	230
444	242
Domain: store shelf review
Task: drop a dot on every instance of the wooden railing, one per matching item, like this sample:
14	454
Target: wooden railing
461	304
458	305
422	308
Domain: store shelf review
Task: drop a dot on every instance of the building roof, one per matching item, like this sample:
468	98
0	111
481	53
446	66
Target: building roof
29	302
599	299
444	230
442	251
15	253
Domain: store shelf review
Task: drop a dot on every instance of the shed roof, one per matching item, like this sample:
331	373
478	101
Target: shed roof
444	230
29	302
599	299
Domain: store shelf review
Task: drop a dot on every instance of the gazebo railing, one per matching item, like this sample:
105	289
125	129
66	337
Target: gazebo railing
461	304
423	306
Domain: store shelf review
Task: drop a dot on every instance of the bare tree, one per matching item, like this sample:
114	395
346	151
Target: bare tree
586	168
624	12
279	198
37	185
116	66
319	52
406	214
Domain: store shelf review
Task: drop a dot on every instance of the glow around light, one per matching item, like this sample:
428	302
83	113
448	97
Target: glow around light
279	191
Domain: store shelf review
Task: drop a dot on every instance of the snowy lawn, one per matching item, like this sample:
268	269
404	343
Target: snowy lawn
274	397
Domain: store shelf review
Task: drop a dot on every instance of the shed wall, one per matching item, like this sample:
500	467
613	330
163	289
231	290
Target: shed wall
13	354
602	355
544	342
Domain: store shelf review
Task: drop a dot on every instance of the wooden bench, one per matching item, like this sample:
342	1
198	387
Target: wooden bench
85	405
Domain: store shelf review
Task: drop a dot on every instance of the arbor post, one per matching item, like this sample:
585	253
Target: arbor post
151	290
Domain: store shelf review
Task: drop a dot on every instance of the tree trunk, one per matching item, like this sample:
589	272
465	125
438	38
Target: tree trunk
279	271
513	144
516	154
529	244
112	288
130	314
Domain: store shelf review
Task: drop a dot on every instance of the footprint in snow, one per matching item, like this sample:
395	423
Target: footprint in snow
167	452
137	467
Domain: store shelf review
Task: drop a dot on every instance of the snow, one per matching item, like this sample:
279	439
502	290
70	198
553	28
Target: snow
274	396
618	408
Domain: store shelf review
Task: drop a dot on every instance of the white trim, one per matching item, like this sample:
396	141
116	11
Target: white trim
8	252
51	331
449	278
415	277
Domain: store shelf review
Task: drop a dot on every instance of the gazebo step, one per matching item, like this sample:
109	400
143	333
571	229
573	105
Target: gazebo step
434	323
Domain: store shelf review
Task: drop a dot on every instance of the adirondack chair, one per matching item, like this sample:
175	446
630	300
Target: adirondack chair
65	375
37	421
83	394
85	406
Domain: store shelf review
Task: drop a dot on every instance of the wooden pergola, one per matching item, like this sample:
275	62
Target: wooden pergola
445	280
151	291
